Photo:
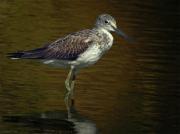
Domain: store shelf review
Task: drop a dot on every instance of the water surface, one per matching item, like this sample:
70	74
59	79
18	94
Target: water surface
133	89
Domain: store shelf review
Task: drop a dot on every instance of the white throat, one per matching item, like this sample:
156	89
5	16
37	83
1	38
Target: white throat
107	45
107	33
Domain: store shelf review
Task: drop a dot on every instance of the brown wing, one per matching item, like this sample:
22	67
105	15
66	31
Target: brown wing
67	48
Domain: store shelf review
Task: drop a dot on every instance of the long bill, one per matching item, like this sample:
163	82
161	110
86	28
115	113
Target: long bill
123	35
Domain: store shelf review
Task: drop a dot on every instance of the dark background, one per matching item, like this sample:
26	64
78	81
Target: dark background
133	89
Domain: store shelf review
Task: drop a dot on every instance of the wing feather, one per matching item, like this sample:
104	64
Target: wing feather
67	48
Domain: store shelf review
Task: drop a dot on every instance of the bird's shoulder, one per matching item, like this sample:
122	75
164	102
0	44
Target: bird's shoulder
84	37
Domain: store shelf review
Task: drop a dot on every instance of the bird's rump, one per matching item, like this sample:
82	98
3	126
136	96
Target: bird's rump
67	48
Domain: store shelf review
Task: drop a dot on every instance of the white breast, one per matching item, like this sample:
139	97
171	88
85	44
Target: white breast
109	35
89	57
95	52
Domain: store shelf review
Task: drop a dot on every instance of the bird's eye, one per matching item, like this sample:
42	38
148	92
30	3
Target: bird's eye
106	21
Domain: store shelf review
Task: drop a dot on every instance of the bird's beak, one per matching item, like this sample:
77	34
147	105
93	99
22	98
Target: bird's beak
122	34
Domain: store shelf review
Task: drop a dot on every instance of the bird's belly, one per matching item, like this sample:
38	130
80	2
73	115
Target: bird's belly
57	63
89	57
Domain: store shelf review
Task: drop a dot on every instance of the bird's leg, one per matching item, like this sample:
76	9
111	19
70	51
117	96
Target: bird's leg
69	87
72	91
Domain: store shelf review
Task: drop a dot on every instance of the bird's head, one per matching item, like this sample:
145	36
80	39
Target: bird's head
107	22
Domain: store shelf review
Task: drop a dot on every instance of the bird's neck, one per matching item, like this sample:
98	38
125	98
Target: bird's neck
107	37
103	30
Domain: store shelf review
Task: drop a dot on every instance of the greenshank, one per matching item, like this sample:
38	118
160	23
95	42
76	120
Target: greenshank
76	51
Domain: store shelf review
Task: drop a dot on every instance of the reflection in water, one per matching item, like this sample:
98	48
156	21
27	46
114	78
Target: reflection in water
53	122
133	89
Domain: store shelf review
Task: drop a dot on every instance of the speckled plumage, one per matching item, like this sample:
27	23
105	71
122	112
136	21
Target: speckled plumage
79	49
76	50
64	51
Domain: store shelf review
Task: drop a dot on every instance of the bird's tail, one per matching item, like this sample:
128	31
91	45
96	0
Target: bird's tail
31	54
16	55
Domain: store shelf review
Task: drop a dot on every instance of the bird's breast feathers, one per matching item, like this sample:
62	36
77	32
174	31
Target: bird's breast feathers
89	57
96	50
81	48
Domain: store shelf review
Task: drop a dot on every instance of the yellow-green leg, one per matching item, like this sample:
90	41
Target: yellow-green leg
69	97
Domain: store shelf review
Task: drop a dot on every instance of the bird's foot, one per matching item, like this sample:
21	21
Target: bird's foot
69	114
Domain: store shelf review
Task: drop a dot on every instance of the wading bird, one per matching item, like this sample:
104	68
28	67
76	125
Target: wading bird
75	51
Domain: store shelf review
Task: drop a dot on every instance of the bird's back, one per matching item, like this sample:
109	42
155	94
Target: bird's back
65	48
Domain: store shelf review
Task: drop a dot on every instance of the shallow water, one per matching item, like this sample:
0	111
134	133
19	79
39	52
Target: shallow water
133	89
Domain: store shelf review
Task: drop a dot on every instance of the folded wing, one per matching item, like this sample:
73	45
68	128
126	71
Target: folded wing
67	48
